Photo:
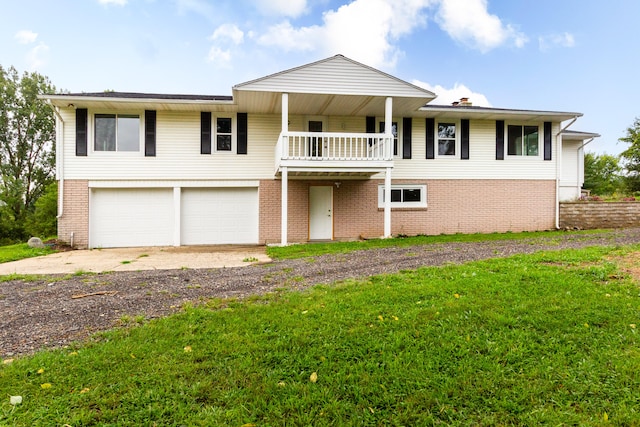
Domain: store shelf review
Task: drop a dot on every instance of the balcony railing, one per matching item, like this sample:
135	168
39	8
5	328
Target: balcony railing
357	148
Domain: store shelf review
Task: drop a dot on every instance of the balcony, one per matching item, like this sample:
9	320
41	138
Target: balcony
329	153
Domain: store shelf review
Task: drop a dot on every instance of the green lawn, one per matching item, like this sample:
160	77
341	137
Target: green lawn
315	249
537	339
21	251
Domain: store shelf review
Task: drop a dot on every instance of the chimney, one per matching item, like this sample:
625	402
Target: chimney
455	103
464	102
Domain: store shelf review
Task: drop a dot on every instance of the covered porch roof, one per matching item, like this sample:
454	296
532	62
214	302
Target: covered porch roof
332	86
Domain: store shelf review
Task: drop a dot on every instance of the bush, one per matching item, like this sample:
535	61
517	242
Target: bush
43	222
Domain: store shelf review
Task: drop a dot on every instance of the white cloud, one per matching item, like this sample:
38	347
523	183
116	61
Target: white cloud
228	32
364	30
221	57
448	96
556	40
26	37
289	8
469	22
37	56
116	2
368	30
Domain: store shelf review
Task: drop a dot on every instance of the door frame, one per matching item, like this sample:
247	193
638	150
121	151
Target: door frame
330	194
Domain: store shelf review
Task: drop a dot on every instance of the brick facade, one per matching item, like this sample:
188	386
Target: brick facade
453	206
75	216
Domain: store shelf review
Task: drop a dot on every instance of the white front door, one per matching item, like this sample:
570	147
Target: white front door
320	212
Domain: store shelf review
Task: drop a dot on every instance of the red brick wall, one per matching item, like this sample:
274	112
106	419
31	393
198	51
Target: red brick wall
453	206
75	216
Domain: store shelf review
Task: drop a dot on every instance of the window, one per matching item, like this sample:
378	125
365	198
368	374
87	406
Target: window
446	139
117	132
223	134
523	140
394	131
404	196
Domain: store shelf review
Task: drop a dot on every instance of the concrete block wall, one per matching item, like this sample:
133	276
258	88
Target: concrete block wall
592	215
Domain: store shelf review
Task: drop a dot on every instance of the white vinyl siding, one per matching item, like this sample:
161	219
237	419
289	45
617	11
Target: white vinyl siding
177	153
482	163
335	76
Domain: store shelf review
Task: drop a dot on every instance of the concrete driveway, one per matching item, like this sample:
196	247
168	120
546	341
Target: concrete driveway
132	259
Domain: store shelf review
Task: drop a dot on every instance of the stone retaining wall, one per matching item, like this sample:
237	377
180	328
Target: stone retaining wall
591	215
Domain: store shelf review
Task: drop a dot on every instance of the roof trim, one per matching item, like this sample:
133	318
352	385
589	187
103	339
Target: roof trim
491	110
139	97
576	134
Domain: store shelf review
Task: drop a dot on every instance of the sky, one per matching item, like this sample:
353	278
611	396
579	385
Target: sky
558	55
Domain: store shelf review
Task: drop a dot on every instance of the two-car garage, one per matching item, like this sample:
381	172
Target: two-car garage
171	216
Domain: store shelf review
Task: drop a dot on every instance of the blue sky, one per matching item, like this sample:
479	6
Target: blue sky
564	55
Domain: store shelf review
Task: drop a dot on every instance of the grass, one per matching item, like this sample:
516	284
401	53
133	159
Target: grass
548	338
21	251
315	249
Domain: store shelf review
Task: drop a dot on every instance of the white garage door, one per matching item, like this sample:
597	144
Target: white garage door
126	217
212	216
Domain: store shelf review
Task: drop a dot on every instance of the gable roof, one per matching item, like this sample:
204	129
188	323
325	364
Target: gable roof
331	86
337	75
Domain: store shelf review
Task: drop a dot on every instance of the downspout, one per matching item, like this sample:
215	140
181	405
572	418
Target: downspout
558	170
59	158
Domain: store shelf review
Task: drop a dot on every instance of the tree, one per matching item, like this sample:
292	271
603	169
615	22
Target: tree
632	156
27	138
602	173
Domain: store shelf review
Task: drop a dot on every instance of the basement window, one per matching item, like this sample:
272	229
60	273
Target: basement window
404	196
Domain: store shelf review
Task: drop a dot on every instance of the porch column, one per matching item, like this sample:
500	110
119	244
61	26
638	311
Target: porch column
388	124
285	205
285	112
387	203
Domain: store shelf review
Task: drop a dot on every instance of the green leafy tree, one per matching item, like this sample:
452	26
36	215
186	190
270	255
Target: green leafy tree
631	156
602	173
43	221
27	138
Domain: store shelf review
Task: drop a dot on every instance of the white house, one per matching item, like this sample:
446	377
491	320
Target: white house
309	153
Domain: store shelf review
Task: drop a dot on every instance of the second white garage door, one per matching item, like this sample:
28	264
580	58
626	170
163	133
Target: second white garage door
212	216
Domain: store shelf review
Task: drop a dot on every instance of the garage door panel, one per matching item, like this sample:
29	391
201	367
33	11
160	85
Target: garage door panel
131	217
219	216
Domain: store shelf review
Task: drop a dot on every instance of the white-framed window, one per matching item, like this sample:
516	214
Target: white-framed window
447	138
404	196
395	131
224	136
117	132
523	140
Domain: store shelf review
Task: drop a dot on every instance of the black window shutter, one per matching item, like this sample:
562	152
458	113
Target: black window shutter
406	137
81	132
205	132
242	133
499	139
547	140
430	138
150	133
464	139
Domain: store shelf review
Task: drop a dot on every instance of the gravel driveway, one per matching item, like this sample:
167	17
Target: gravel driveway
55	311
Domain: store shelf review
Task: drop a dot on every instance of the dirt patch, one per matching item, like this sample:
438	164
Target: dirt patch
630	264
42	313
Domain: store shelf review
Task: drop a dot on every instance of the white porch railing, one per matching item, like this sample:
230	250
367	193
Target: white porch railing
333	146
